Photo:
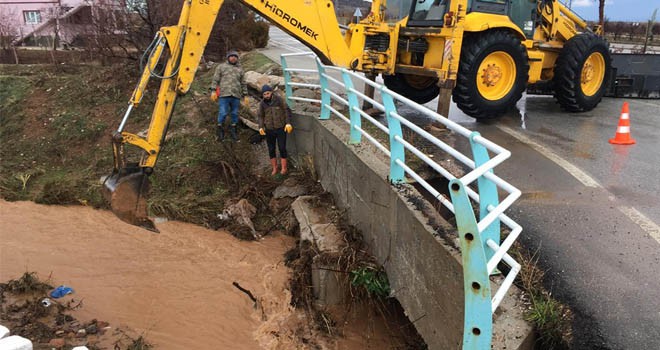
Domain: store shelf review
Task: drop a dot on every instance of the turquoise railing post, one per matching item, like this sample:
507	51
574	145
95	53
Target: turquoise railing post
325	96
478	326
487	195
396	148
353	106
287	81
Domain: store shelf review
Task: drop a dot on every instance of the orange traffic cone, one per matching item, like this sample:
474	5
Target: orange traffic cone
622	136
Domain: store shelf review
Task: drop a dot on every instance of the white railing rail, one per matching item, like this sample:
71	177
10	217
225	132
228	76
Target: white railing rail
480	239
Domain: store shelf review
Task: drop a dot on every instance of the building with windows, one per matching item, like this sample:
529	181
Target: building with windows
50	22
29	17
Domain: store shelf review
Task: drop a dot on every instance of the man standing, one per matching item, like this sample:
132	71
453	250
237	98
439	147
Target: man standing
228	86
274	123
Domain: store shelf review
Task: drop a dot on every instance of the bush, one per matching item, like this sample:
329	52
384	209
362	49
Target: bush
58	192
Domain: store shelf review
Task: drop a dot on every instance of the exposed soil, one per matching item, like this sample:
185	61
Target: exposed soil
175	288
189	286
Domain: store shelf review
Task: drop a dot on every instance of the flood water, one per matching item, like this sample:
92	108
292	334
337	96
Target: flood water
175	287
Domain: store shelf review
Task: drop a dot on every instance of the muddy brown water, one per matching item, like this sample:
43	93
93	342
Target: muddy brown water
175	287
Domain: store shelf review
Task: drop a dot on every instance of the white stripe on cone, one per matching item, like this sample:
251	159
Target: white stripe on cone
623	130
625	116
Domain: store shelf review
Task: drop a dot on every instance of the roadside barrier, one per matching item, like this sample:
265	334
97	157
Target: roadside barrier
481	246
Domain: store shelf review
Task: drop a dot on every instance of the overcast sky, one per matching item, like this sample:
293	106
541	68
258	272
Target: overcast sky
617	10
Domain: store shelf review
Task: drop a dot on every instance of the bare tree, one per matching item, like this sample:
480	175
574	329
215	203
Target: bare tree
8	28
619	28
124	28
633	28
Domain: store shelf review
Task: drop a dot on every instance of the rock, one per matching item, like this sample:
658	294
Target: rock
274	69
315	226
276	81
306	93
277	205
81	333
284	190
310	107
252	80
256	80
91	329
57	343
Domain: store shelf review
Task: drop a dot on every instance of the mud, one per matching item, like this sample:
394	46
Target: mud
175	288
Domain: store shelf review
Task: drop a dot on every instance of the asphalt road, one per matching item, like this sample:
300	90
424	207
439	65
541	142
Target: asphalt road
590	209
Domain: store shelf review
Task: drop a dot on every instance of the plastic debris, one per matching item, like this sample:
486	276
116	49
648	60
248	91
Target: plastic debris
60	292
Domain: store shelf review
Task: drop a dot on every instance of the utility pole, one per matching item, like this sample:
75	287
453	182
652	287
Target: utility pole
649	30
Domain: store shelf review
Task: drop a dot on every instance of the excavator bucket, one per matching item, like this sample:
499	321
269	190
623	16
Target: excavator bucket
127	195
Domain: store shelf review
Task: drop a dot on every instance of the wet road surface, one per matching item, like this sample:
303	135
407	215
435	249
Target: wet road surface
591	209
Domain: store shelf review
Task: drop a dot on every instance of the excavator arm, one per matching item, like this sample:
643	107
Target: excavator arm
418	52
313	22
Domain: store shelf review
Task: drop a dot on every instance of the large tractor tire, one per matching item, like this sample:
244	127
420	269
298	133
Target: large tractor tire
580	75
492	74
418	88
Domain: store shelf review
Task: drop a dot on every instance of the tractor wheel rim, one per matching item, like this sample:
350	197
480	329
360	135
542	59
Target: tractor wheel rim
496	75
593	74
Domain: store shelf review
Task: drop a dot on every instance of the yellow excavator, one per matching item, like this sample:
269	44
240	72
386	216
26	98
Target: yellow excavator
486	51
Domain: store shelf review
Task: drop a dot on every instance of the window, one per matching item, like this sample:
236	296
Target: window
396	10
32	17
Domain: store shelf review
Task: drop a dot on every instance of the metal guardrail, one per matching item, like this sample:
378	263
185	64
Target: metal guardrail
481	249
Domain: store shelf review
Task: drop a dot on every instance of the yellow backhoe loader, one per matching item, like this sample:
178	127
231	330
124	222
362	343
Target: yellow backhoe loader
486	51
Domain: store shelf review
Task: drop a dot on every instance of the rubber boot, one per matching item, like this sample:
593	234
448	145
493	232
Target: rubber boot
285	170
233	132
273	163
220	132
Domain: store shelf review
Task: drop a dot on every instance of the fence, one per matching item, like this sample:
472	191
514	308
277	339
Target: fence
481	246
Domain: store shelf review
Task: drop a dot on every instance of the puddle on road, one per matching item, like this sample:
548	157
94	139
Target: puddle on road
175	286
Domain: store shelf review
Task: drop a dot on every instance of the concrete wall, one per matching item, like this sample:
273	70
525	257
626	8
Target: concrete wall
422	264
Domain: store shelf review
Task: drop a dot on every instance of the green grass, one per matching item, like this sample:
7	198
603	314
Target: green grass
12	90
552	319
373	280
72	126
549	317
255	61
56	153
